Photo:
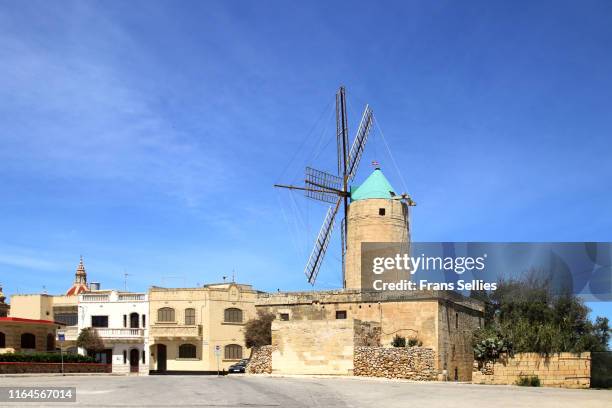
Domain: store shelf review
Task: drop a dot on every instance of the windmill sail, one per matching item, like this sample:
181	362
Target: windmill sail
322	186
359	143
325	185
321	244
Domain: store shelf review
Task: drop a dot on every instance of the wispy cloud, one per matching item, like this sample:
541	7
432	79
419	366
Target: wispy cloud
88	117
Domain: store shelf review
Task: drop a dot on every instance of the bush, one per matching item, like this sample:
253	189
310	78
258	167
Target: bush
398	341
528	381
490	346
44	358
414	342
90	340
258	332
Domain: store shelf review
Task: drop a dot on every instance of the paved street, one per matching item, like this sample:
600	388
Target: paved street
262	391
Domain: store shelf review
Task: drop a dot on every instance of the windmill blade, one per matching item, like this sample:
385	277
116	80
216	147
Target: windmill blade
326	186
341	130
318	252
359	143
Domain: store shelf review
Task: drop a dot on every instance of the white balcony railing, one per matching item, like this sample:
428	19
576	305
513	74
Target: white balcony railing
131	297
94	298
120	333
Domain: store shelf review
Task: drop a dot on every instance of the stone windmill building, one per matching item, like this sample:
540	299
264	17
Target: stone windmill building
319	332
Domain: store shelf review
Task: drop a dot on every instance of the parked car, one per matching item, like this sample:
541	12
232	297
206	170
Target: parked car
239	367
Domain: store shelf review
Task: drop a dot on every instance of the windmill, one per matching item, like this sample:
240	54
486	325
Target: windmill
334	189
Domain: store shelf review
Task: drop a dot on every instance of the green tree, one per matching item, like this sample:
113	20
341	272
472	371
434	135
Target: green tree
90	340
527	316
258	331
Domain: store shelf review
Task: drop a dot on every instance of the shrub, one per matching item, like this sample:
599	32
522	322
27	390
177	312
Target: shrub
258	331
414	342
398	341
528	381
490	347
44	358
90	340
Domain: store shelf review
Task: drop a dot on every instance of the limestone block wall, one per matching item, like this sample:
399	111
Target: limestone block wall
261	360
313	347
567	370
414	363
455	326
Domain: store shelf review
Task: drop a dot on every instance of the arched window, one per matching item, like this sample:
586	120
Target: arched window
190	316
165	314
2	340
134	320
187	351
233	352
233	315
50	342
28	341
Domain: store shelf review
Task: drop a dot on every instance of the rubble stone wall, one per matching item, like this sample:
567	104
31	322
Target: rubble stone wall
261	360
413	363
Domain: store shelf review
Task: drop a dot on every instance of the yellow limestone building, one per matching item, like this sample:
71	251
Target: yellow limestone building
315	332
199	329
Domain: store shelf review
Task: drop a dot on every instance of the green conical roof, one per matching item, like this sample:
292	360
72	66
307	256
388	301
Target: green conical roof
375	186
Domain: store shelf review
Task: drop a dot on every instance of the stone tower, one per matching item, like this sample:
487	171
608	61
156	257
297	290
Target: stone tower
374	216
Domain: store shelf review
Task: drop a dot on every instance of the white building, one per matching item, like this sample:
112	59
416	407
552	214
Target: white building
121	319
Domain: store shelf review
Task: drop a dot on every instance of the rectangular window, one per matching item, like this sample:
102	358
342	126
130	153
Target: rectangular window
99	321
124	320
381	211
144	321
340	314
284	316
143	356
456	320
69	319
190	319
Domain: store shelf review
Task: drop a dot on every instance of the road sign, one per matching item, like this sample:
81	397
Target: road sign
61	336
218	355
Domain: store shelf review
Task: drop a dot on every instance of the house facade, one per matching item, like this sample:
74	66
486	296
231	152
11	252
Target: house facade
27	335
121	321
199	329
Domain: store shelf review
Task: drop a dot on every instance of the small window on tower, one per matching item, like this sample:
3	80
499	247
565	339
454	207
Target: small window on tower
284	316
381	211
340	314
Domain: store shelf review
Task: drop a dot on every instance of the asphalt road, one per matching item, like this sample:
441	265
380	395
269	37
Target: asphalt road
264	391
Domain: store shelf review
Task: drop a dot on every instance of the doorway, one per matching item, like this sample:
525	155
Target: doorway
161	358
134	358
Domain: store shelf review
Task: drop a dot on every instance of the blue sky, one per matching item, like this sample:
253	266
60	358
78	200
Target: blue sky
147	136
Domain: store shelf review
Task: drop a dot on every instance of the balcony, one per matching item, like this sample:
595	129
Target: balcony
94	298
120	334
165	331
131	297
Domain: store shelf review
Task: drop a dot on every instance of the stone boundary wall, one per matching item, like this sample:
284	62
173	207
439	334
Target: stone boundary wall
413	363
567	370
261	360
37	368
